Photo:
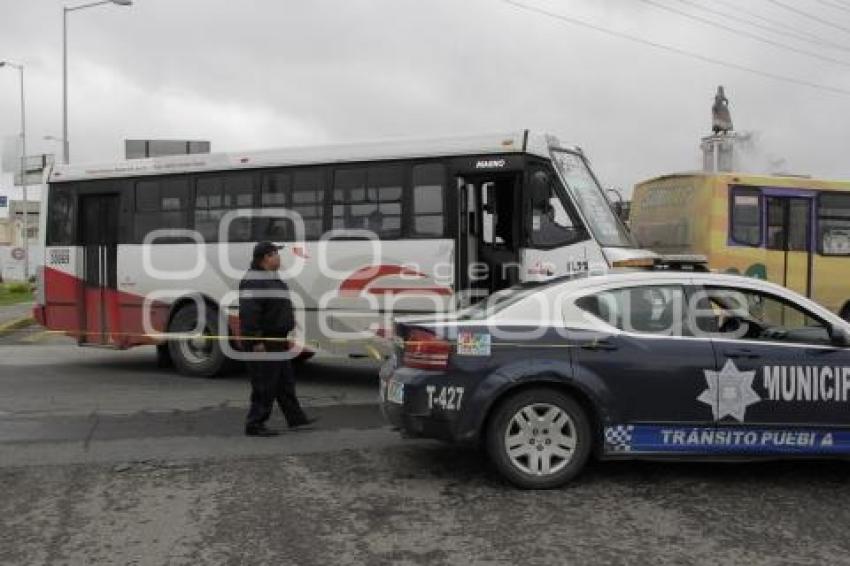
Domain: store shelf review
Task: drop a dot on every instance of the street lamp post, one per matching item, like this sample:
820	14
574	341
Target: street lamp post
65	11
20	69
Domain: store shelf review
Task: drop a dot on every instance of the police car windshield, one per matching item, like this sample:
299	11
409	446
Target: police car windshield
512	295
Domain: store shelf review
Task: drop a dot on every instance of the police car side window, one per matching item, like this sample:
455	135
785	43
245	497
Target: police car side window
750	315
655	309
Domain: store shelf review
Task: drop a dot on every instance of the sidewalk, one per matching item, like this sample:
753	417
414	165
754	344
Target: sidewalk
15	316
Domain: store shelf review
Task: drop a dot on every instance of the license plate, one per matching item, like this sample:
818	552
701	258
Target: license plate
395	392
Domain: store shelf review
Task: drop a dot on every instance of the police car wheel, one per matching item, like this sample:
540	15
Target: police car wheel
196	357
539	438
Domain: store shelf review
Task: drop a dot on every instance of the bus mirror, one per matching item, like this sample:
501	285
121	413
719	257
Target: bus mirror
617	207
539	189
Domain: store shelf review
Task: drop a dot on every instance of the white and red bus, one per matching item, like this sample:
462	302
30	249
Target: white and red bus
142	247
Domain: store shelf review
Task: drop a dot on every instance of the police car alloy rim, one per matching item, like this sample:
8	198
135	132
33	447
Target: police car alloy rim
540	439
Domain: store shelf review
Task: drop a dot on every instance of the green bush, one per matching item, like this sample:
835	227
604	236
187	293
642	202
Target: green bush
18	287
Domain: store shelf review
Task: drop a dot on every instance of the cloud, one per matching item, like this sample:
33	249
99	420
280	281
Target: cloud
262	73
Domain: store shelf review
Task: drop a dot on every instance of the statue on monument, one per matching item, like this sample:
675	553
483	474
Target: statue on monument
721	118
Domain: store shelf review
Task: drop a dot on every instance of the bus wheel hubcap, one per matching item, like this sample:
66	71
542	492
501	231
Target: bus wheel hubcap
196	350
540	439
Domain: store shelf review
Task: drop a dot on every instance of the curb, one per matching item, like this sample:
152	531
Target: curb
15	324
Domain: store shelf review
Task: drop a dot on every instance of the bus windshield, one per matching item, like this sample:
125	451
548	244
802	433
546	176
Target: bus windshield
582	186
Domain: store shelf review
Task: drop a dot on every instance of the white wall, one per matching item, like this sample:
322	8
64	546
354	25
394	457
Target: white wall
12	269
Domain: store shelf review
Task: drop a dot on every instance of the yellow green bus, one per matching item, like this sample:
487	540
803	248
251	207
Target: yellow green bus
794	231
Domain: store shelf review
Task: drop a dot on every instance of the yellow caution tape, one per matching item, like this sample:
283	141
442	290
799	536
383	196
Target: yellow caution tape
372	350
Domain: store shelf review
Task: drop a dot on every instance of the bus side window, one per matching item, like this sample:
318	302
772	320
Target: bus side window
787	224
745	221
208	207
60	224
429	200
349	185
369	199
834	223
159	205
215	196
554	222
239	193
384	193
308	196
275	193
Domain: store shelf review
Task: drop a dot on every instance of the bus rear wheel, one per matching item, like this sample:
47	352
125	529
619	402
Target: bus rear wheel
202	356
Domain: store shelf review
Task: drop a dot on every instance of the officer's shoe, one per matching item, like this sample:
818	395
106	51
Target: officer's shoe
306	422
260	431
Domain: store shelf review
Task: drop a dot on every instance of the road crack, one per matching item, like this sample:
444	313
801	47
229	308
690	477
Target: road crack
96	422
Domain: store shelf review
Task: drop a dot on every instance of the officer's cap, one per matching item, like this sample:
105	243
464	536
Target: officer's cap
264	248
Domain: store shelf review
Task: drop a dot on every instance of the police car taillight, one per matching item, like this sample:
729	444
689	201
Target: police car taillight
425	350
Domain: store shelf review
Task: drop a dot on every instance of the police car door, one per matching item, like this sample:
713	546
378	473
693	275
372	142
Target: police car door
652	374
776	367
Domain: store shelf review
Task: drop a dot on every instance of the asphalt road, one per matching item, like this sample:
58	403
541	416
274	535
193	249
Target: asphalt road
106	459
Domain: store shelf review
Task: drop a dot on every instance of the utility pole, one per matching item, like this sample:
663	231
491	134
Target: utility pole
66	150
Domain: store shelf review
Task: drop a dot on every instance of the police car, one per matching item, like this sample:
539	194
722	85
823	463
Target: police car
625	365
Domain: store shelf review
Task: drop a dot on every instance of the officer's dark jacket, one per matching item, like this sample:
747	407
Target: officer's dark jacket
262	315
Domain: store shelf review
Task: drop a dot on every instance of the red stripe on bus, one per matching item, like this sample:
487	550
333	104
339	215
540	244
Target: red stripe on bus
361	278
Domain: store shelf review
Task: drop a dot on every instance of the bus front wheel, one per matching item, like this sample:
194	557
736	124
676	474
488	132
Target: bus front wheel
200	356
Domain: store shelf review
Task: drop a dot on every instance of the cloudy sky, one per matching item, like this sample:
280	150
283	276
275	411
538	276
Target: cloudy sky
261	73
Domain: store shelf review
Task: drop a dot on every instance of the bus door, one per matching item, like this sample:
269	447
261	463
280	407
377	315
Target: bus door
789	232
99	239
466	240
487	239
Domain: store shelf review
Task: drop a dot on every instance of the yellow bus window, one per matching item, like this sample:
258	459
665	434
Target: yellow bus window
834	224
746	217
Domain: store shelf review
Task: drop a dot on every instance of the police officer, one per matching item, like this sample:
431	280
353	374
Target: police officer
265	312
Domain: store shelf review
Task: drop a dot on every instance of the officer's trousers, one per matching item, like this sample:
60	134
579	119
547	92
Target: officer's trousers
273	380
